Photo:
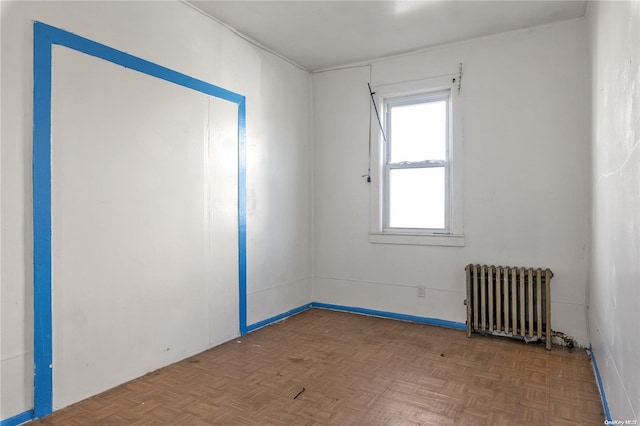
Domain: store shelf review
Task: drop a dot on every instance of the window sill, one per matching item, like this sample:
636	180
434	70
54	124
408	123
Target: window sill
418	240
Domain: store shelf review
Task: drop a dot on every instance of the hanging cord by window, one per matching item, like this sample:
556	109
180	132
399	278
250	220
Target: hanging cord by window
371	93
376	109
368	175
373	101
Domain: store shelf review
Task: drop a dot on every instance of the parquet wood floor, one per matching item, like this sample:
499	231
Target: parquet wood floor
333	368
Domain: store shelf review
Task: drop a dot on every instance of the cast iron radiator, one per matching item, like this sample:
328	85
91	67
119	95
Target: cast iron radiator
509	301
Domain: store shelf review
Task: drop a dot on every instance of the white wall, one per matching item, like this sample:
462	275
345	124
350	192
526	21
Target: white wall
278	154
144	224
614	291
526	163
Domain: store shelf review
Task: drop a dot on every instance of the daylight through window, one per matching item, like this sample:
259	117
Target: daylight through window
416	166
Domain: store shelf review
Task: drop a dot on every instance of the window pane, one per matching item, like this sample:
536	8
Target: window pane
418	132
417	198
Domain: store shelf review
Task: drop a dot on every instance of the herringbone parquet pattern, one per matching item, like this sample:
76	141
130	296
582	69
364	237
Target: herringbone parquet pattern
325	367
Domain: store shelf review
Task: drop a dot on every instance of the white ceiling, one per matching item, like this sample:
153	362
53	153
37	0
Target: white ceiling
322	34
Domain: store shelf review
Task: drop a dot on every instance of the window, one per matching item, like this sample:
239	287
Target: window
416	182
416	162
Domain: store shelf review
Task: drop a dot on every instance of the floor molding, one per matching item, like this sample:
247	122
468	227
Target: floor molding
18	419
603	396
391	315
277	318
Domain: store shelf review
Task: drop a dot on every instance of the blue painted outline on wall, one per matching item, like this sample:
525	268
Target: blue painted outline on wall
45	36
603	396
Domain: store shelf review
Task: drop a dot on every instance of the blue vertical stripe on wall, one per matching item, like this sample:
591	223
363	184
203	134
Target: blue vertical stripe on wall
42	221
242	214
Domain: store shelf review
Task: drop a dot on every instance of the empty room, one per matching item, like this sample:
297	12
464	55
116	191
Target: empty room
319	212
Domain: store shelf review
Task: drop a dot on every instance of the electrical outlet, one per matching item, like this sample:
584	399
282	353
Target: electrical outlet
421	291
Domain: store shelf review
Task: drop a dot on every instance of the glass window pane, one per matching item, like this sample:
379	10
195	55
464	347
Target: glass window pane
418	132
417	198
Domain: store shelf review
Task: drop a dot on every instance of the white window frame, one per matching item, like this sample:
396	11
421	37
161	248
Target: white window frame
379	232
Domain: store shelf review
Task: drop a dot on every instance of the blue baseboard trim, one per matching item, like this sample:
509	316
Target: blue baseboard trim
18	419
282	316
391	315
605	404
354	310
